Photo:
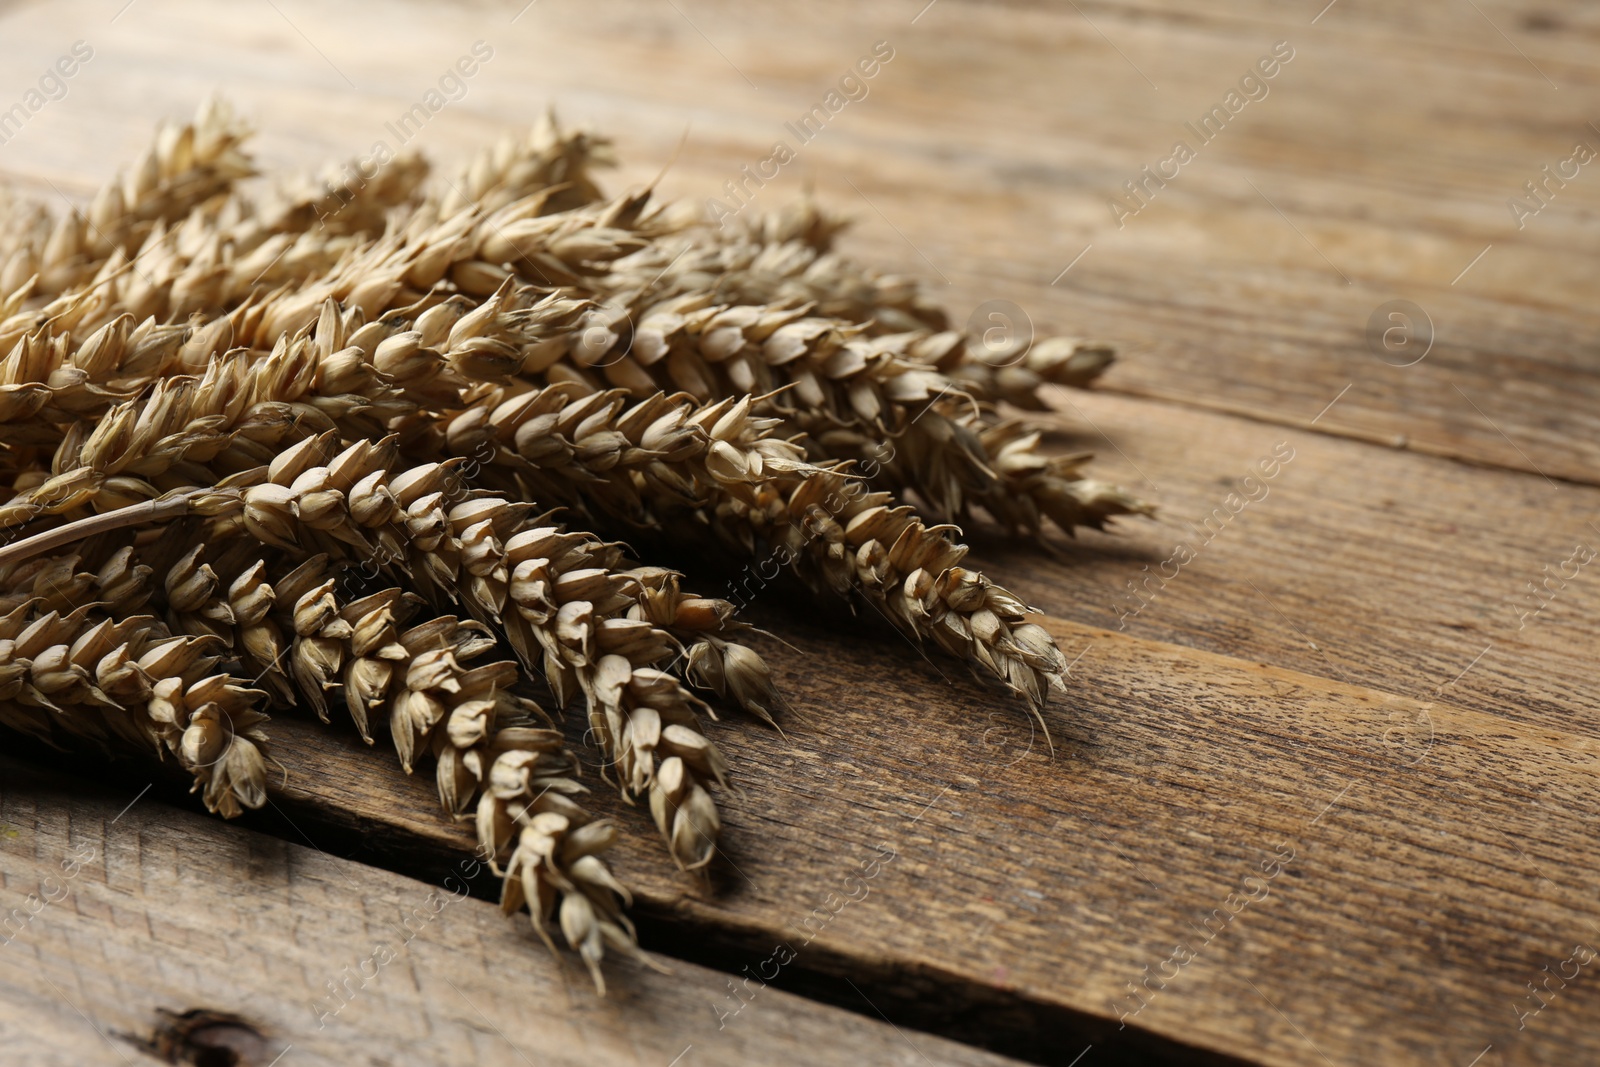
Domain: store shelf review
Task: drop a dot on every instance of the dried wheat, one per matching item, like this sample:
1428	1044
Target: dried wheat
238	432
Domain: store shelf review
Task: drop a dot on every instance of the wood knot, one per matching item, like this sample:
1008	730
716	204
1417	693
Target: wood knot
201	1037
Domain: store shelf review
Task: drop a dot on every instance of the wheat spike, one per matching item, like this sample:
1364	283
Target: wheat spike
552	592
784	258
92	676
131	680
851	395
310	440
491	750
187	165
518	167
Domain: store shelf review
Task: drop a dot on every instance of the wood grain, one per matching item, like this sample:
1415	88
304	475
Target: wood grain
1342	670
1439	856
1404	573
153	908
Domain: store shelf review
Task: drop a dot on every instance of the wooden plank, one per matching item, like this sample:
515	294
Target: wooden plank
987	153
1367	565
1432	876
117	913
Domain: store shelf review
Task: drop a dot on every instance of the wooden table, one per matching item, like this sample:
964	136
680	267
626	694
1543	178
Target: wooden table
1328	796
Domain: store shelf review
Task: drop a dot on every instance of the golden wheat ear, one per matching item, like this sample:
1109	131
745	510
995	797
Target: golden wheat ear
188	165
315	441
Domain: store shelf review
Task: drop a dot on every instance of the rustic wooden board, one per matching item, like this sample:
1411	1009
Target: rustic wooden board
137	907
1381	568
1340	670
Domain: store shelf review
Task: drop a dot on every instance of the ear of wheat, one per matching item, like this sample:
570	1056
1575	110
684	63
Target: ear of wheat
303	453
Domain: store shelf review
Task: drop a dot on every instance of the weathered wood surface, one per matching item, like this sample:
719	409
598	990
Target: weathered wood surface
1440	855
118	909
1365	565
1341	670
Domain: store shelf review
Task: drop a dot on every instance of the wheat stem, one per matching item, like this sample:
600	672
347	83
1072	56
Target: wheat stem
170	506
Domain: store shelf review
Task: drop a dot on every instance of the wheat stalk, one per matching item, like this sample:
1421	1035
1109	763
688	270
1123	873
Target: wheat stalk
491	749
131	681
309	441
551	592
852	394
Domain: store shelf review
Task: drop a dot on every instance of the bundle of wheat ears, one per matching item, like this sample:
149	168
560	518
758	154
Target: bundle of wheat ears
358	447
